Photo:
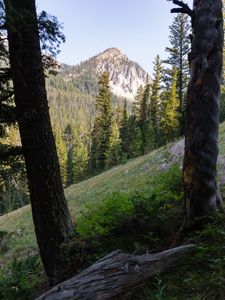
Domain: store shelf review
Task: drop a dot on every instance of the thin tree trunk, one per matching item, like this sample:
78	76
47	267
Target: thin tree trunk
203	106
115	274
52	220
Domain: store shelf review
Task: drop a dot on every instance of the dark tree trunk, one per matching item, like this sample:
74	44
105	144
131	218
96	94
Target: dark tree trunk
114	275
51	217
203	105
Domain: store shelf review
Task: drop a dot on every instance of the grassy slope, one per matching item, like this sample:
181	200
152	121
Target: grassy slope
138	174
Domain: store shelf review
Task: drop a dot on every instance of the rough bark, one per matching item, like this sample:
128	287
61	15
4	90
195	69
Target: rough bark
114	275
203	105
51	217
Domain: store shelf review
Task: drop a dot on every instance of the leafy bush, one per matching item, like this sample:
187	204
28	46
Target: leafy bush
105	216
143	214
21	279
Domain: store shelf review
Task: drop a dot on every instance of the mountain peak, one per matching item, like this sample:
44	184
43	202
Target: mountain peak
111	54
125	75
113	51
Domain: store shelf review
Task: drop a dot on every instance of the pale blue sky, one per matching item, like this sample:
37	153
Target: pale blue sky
140	28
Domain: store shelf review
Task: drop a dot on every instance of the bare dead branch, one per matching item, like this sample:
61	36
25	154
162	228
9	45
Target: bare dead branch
184	8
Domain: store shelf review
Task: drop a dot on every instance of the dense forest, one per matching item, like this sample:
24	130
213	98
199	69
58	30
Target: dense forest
62	125
153	118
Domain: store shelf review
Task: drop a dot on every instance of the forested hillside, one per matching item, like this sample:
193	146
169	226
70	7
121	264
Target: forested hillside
137	207
72	91
101	156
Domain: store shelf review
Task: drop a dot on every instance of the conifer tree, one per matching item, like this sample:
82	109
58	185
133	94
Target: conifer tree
145	123
203	105
137	101
124	131
178	57
79	161
114	153
70	167
102	125
170	118
62	154
52	220
155	101
134	137
69	138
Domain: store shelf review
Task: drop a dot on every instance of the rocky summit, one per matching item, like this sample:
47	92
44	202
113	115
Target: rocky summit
125	75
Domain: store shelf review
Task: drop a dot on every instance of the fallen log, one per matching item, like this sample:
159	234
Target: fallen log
115	274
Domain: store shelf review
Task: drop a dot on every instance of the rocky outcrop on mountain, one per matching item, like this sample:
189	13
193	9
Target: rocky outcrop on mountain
125	75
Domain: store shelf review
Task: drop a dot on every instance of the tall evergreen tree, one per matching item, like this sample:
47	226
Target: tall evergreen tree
145	123
102	125
114	153
62	154
201	138
79	161
52	221
134	137
69	139
124	131
11	158
155	99
137	101
170	116
178	57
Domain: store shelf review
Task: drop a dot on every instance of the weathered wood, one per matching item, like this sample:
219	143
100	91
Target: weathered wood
115	274
203	107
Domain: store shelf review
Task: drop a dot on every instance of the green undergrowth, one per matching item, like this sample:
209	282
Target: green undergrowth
23	277
199	276
136	207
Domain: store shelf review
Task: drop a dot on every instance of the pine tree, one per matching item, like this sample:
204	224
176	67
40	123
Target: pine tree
114	153
70	167
102	125
69	139
203	106
134	137
137	101
155	100
124	130
170	118
52	220
178	57
79	161
145	123
62	154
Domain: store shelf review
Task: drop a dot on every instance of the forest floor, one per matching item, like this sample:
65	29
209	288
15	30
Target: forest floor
136	207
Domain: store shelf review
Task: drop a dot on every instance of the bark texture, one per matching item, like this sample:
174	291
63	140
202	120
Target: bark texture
114	275
51	217
203	105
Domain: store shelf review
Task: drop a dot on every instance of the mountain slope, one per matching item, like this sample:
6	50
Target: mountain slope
137	174
125	75
72	92
152	175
